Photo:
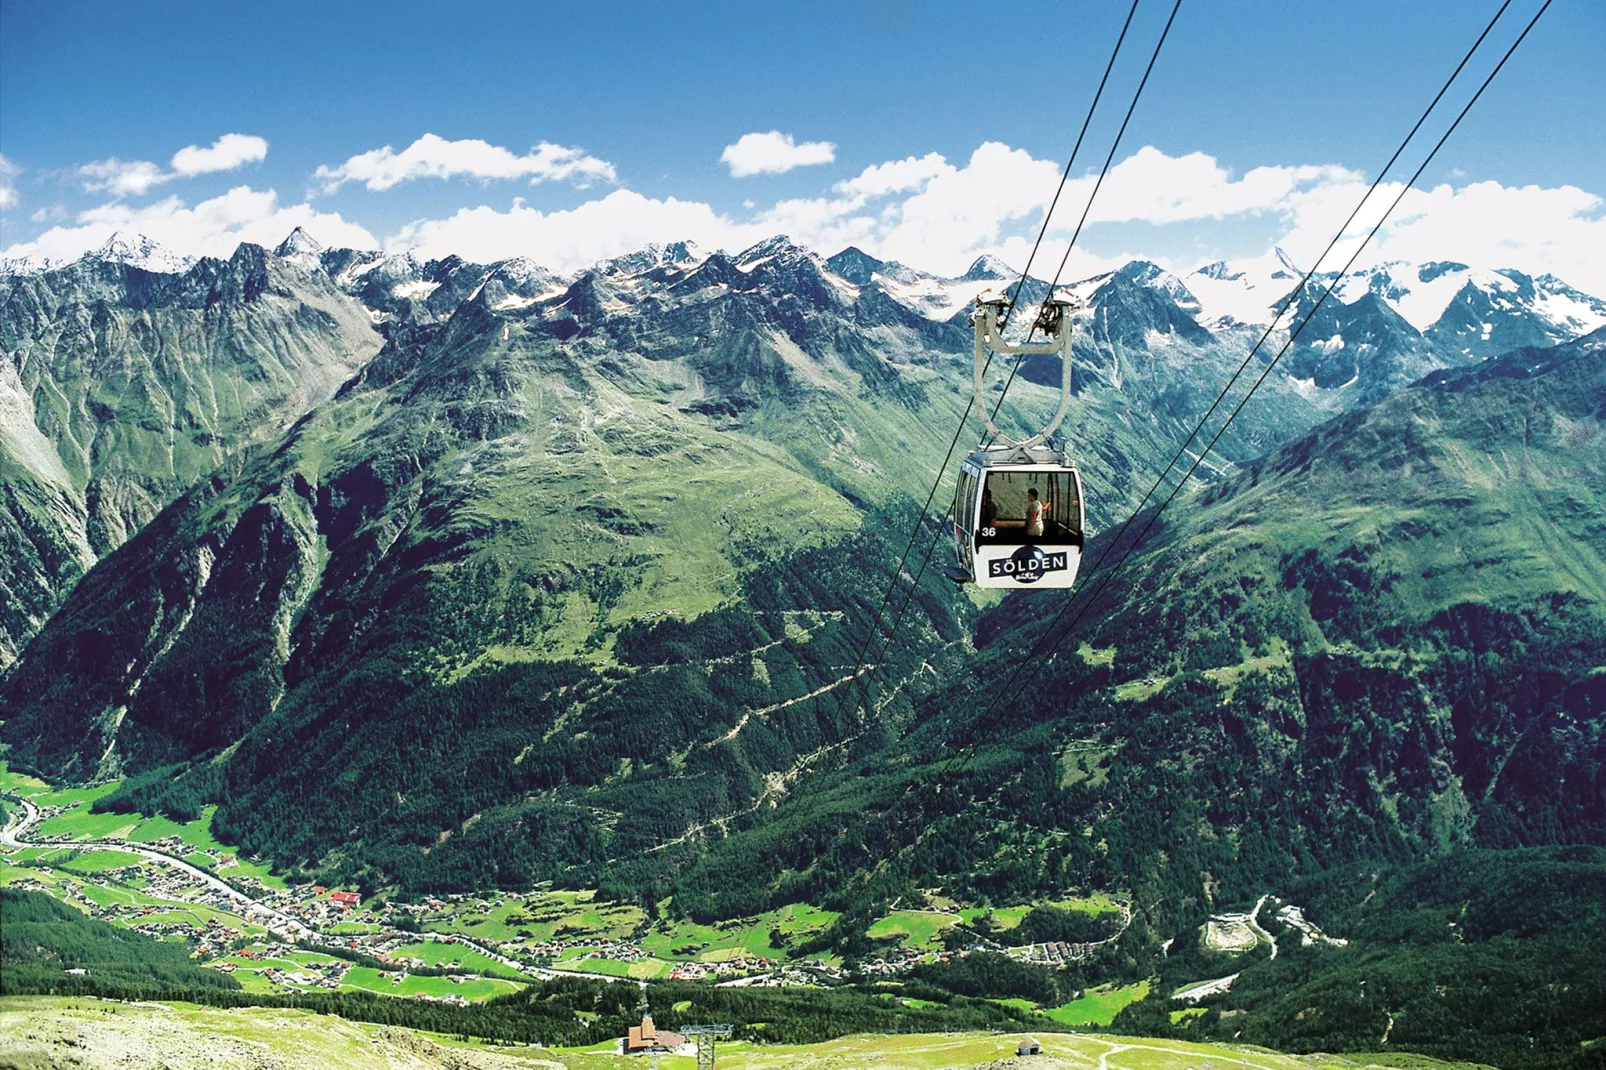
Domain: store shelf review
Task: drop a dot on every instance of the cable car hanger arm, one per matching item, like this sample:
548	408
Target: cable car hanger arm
1055	320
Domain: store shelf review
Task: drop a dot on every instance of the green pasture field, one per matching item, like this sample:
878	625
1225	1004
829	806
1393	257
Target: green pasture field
196	834
541	915
472	988
80	824
717	943
649	970
1098	1006
921	929
242	963
433	953
76	860
606	967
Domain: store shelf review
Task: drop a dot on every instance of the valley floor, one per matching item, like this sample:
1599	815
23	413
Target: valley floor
37	1032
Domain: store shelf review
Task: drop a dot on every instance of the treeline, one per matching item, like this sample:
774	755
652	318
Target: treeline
813	1015
983	975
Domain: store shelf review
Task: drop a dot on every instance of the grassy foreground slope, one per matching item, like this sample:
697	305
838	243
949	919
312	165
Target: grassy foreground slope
39	1031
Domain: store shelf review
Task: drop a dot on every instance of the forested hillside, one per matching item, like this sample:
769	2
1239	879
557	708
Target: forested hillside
1493	955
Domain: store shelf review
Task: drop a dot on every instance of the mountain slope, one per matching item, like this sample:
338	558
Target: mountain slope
679	476
676	475
1380	642
122	386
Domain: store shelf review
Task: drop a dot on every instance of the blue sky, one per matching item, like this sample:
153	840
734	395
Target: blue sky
642	100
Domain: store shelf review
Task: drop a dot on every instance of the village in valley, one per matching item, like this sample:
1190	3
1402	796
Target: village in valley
175	882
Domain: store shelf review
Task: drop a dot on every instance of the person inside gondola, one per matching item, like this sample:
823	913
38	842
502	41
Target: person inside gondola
1035	513
989	512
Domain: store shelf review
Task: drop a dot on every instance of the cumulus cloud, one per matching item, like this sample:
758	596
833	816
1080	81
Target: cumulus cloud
896	176
1153	187
122	177
432	156
225	154
619	223
1559	230
213	227
135	178
8	183
938	215
773	153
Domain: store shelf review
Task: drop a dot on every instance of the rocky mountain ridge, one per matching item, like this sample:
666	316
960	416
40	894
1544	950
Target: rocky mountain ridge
124	381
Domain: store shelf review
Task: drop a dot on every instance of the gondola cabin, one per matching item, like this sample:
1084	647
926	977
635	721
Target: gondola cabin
1018	519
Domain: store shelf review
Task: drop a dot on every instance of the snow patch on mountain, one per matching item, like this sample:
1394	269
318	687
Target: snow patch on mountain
29	265
136	250
989	268
1246	293
301	249
416	290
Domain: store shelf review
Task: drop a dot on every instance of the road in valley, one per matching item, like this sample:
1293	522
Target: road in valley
15	835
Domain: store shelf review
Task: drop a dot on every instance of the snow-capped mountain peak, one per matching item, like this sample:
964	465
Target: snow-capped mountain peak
301	249
654	255
989	268
1219	271
778	246
138	251
298	241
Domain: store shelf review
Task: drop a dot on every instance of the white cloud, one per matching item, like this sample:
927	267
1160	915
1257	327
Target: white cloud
938	216
1152	187
965	211
121	177
621	222
226	153
135	178
896	176
773	153
435	157
934	215
8	183
211	228
1560	230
